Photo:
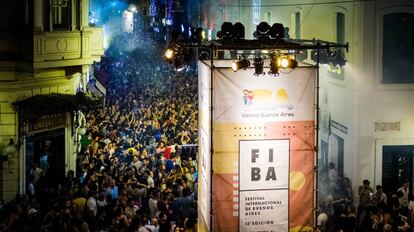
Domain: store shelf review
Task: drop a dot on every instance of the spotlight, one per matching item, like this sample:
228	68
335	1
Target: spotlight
292	63
178	63
274	68
258	66
197	35
238	31
336	58
188	55
169	54
226	31
285	62
240	64
323	56
277	31
203	54
262	31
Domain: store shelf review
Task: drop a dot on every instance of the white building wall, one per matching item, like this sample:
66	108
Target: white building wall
359	100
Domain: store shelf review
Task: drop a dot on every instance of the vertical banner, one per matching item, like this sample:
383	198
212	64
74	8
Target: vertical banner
264	185
204	180
264	150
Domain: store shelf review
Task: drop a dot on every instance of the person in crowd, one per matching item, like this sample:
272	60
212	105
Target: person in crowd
366	193
380	198
404	192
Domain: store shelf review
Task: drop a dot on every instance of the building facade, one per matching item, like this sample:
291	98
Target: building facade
46	47
366	111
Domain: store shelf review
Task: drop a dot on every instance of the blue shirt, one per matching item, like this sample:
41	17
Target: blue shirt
113	191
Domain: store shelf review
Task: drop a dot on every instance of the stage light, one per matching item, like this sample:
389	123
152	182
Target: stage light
178	63
284	63
226	31
274	67
293	63
240	64
132	8
323	56
169	54
203	35
277	31
188	55
203	54
238	31
336	58
197	35
258	66
262	30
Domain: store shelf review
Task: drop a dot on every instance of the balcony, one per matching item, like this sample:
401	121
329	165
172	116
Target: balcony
67	48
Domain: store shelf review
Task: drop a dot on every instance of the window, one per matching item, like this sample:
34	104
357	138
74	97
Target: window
256	11
298	25
398	44
61	14
46	15
397	167
57	14
340	31
28	12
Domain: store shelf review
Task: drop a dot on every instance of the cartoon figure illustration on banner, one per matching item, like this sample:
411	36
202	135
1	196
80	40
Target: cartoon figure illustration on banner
248	97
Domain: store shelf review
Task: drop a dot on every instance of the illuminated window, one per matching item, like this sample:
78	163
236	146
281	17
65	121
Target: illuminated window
256	11
398	44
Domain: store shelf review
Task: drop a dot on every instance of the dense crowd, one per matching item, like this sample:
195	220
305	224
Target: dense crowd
372	211
137	169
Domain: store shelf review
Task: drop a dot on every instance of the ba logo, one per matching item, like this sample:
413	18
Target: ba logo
267	99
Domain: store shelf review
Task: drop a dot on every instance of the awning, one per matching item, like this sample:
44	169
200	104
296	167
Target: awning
54	103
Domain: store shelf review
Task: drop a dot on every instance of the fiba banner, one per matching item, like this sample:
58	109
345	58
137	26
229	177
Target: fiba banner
264	182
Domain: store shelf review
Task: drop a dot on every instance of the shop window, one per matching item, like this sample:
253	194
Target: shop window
398	44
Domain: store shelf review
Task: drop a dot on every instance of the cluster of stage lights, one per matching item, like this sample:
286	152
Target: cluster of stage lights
277	62
179	54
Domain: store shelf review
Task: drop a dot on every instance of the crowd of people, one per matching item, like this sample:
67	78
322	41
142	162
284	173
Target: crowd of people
137	169
367	210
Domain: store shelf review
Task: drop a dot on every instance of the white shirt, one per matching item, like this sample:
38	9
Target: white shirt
322	219
92	205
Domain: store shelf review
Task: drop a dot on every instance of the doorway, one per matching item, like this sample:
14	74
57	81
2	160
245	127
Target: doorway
47	149
336	152
397	167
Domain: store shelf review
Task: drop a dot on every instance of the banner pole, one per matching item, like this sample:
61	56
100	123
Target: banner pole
317	139
211	134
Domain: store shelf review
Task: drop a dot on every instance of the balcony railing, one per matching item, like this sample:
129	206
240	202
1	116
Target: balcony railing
78	47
